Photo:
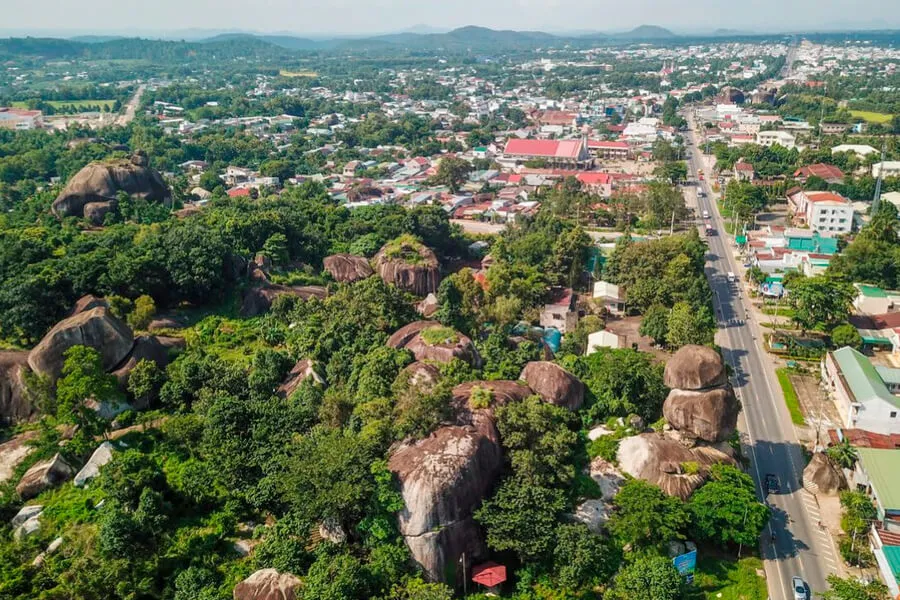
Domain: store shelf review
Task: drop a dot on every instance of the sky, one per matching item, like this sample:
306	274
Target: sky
323	17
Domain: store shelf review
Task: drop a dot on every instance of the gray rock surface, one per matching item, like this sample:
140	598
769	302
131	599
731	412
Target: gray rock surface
695	368
710	415
42	476
822	476
15	406
25	513
102	182
347	268
303	370
96	328
268	584
443	478
554	384
101	456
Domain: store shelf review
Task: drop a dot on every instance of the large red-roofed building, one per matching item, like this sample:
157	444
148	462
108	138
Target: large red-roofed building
558	153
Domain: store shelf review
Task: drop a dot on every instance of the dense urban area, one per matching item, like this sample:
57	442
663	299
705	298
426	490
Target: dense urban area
454	315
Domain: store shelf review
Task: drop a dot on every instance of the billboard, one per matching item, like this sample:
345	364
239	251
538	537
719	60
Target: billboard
685	564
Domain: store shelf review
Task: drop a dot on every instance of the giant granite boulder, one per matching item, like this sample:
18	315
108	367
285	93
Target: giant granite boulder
258	300
496	392
695	368
710	415
668	464
268	584
400	338
99	183
91	469
86	303
146	347
96	328
443	479
554	384
409	265
347	268
43	476
442	344
822	476
15	405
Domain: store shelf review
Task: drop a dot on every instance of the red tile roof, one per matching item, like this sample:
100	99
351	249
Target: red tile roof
594	178
861	438
610	145
557	117
826	197
821	170
743	166
544	148
238	192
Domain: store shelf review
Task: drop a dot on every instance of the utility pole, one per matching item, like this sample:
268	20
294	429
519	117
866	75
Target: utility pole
877	197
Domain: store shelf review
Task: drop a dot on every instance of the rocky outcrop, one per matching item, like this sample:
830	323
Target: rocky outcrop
675	469
425	346
420	375
268	584
146	347
96	328
596	512
822	476
701	404
410	266
15	405
709	415
443	478
258	300
43	476
303	370
347	268
100	183
25	513
101	456
86	303
13	452
554	384
401	337
695	368
500	393
428	306
95	212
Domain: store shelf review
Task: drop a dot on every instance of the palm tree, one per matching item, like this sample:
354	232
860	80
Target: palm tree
844	455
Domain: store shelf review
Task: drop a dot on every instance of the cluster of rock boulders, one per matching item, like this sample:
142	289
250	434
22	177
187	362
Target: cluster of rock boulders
94	190
347	268
444	477
823	476
701	413
258	298
92	324
268	584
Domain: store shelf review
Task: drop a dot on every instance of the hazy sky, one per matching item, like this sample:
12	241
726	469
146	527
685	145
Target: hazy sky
369	16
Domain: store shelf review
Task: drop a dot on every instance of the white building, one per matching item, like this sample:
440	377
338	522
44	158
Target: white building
20	119
610	296
858	149
770	138
604	339
823	211
890	168
860	392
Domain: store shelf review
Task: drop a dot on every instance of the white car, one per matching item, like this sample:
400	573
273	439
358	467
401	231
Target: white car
731	277
801	590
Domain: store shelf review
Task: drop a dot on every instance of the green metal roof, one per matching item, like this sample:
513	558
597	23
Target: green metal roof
882	467
815	243
863	380
741	239
892	554
889	374
871	291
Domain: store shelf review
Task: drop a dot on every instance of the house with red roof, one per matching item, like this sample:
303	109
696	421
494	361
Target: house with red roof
20	119
830	173
821	211
597	183
572	154
743	171
558	118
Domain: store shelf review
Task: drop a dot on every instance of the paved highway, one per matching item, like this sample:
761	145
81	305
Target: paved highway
801	547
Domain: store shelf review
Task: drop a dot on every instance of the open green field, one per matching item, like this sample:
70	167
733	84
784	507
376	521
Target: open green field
872	117
75	103
722	579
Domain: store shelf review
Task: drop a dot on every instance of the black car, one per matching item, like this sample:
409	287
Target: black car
772	486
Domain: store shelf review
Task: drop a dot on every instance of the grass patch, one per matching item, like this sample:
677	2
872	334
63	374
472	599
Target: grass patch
406	248
872	117
439	335
790	396
77	104
726	579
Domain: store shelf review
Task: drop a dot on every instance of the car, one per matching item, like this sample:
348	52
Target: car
731	277
772	485
801	590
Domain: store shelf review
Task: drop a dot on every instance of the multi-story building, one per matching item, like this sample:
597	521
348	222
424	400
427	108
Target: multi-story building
782	138
20	119
822	211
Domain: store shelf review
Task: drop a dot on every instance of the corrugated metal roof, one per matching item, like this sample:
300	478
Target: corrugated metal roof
863	380
882	467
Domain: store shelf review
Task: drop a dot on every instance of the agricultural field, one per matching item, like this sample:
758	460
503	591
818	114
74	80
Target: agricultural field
286	73
76	103
872	117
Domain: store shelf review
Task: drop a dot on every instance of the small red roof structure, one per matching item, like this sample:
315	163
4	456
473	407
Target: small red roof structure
489	574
